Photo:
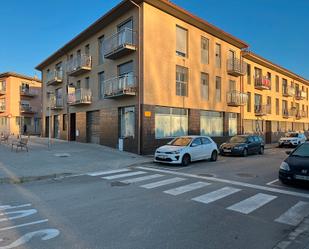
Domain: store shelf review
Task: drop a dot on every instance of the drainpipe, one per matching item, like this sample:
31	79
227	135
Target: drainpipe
139	78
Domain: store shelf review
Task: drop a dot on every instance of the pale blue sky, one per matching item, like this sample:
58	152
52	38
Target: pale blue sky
276	29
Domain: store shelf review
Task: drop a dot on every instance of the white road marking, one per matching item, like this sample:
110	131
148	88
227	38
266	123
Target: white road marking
162	183
123	175
23	225
18	214
216	195
142	178
295	214
249	205
236	183
107	172
5	207
187	188
272	182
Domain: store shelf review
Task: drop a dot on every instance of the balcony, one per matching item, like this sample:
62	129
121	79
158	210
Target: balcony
28	92
56	103
120	86
2	108
26	109
300	95
301	114
80	97
120	44
54	77
261	110
288	91
236	67
236	98
79	65
262	83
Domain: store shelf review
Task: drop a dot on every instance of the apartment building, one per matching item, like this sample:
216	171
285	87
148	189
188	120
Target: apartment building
145	72
20	104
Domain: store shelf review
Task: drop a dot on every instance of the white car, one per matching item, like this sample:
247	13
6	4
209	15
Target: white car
186	149
292	139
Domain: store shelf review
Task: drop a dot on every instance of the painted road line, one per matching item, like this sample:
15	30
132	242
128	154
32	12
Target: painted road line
272	182
187	188
107	172
163	183
295	214
216	195
23	225
142	178
5	207
236	183
251	204
123	175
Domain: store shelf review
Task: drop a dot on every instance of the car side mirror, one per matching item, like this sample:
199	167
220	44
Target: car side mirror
288	152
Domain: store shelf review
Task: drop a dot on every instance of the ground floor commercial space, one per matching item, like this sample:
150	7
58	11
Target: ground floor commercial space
29	125
118	126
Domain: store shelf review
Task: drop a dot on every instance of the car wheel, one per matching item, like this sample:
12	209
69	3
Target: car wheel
261	152
245	153
186	159
214	156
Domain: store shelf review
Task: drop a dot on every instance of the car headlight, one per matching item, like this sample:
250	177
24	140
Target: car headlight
285	166
176	152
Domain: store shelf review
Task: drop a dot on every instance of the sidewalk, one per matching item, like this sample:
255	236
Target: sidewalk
63	158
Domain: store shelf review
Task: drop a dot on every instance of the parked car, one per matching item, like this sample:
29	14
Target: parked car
296	166
292	139
186	149
243	145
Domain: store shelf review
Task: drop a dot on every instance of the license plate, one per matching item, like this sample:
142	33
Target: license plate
301	177
162	157
227	151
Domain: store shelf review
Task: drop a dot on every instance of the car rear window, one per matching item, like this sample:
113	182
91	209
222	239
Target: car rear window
302	151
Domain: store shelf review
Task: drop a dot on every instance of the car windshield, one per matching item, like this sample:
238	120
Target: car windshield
238	139
301	151
292	135
181	141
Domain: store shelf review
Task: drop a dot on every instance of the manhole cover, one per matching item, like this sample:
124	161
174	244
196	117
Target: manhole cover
119	184
62	155
207	175
246	175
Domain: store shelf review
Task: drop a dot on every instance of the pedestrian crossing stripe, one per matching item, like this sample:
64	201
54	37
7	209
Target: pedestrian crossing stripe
142	178
187	188
295	214
216	195
112	177
162	183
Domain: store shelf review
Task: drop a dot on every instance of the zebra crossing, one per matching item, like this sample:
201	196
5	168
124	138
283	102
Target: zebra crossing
293	216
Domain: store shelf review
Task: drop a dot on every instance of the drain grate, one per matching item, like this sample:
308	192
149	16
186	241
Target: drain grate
246	175
119	184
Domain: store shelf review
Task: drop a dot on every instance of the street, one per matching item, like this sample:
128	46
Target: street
233	203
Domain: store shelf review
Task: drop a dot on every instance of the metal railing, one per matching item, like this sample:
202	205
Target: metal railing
122	85
2	107
121	39
28	91
56	102
300	95
236	66
301	114
80	96
79	62
56	75
237	98
262	83
288	91
262	110
26	108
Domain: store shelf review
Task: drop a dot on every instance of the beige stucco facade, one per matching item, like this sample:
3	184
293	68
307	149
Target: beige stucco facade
20	98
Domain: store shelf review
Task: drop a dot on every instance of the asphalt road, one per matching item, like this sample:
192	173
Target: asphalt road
228	204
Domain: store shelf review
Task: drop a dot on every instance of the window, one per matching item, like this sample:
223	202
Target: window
204	50
87	50
205	140
277	83
101	85
127	122
257	73
205	86
269	77
258	102
284	107
87	82
232	124
170	122
181	81
126	69
218	55
248	74
125	34
277	106
211	123
101	50
64	122
284	85
78	84
197	142
181	41
269	104
218	88
249	102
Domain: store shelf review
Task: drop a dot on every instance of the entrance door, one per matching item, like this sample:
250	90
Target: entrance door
56	127
268	132
47	127
72	127
93	127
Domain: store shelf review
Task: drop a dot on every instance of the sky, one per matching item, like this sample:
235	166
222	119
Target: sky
275	29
